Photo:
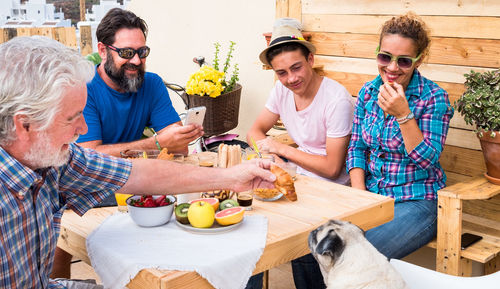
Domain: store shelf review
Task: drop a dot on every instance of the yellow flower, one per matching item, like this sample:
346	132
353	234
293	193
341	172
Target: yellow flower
206	81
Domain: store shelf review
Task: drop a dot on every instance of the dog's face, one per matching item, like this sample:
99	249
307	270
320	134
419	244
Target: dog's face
328	241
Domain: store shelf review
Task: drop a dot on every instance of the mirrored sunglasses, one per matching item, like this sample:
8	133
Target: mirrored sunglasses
385	59
129	53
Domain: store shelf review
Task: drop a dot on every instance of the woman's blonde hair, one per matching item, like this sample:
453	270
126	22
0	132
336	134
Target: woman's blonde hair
409	25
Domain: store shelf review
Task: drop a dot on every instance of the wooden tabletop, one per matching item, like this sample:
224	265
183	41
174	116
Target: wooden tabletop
289	226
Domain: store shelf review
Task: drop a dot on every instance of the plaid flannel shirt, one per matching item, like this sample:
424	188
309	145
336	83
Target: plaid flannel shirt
377	145
31	207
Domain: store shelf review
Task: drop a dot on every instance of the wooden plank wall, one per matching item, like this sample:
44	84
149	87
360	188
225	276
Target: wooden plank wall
65	35
465	36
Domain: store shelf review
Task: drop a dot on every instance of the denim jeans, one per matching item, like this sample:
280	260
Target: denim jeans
413	226
255	282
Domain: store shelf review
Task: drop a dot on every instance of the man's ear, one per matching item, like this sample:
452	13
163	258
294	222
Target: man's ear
102	49
310	59
22	126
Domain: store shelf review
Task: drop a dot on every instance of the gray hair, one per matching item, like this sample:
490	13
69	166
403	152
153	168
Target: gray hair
34	74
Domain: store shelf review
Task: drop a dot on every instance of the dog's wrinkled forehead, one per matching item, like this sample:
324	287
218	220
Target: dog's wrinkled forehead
326	241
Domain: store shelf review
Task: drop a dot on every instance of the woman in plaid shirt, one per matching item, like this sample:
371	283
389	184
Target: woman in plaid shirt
400	125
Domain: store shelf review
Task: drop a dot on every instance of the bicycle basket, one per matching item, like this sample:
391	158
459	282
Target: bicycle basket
222	112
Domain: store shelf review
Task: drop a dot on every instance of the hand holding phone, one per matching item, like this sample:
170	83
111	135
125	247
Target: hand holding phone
195	115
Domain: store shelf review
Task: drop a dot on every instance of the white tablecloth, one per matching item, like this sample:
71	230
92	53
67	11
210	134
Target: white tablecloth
119	249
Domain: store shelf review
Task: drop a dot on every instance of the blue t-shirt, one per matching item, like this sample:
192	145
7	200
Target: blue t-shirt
115	117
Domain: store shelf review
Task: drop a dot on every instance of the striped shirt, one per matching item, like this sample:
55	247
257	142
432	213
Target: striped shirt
31	207
377	145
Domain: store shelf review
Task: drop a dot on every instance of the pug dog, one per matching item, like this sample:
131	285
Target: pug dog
348	260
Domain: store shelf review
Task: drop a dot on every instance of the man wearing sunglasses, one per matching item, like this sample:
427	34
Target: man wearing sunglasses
123	99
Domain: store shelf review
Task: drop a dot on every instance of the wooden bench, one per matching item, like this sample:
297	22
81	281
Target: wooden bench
464	37
469	204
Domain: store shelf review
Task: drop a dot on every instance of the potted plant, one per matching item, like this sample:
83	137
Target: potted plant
214	87
480	106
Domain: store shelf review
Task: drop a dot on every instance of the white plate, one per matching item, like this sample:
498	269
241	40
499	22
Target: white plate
277	197
215	229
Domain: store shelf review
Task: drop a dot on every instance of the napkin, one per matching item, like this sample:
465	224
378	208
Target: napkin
119	249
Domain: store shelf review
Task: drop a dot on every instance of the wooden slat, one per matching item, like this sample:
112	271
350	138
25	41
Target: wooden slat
462	138
24	31
462	161
7	34
492	266
444	26
448	229
421	7
476	189
435	72
295	9
487	210
43	31
71	37
281	8
454	178
455	51
85	40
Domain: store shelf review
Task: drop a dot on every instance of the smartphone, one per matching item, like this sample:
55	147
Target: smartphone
469	239
195	115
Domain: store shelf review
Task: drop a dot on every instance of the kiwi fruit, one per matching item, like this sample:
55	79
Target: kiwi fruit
230	203
181	213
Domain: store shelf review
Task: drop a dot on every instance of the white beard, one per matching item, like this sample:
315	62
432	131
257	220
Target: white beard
43	155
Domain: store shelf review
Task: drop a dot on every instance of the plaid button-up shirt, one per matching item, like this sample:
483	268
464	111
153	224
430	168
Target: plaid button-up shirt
377	144
32	203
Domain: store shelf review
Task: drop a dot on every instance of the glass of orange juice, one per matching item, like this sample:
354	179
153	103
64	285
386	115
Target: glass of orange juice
121	201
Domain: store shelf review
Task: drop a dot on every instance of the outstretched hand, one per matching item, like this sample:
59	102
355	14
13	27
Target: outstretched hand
251	175
392	100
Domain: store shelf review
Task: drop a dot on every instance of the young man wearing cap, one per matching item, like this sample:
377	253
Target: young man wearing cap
317	111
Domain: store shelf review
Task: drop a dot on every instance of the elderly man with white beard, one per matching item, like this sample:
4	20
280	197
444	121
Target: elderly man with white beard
42	172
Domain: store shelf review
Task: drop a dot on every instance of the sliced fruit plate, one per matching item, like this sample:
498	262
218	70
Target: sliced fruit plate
215	229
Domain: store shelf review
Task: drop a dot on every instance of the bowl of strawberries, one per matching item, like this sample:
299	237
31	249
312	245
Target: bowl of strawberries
151	210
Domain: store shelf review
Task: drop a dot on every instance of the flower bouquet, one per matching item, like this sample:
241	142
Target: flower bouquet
218	91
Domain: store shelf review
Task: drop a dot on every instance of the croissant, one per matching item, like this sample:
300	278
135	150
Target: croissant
284	183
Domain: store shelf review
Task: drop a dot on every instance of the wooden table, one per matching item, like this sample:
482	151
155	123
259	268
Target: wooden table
289	226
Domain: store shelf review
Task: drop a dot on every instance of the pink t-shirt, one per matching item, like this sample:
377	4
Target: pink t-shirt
330	114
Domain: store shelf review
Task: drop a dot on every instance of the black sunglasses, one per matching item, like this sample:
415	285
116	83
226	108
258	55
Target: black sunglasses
129	53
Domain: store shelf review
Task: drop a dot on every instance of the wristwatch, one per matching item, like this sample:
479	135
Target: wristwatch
405	118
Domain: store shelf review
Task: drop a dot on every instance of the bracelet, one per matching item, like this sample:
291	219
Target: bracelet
403	121
155	138
405	118
156	141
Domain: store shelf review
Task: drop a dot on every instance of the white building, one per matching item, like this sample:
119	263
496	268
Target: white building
98	11
32	13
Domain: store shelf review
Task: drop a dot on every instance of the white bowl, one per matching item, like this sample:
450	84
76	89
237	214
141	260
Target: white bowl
151	217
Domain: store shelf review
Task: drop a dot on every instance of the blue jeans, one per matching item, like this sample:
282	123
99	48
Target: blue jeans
413	226
255	282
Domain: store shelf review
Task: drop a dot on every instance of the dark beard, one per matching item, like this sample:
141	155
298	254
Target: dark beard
118	76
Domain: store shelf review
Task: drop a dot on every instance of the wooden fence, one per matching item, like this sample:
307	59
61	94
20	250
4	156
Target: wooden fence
465	36
65	35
